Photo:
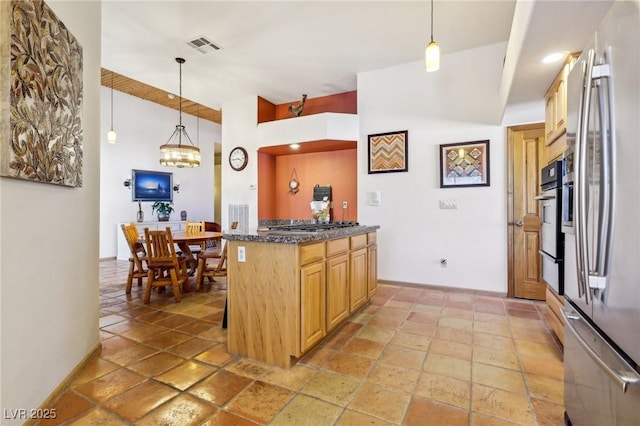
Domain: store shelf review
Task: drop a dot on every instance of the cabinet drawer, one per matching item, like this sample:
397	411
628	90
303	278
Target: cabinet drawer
311	253
372	238
358	241
337	246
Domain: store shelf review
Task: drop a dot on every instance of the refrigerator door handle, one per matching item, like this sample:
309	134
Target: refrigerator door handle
598	277
622	380
582	256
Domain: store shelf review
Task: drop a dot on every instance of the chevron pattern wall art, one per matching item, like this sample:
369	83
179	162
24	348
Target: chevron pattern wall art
388	152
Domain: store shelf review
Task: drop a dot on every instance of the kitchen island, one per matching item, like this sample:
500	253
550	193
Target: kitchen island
288	290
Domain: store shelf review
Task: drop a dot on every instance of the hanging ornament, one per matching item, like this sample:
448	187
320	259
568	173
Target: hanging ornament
294	185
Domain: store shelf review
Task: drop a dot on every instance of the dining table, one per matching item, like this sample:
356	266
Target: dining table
185	239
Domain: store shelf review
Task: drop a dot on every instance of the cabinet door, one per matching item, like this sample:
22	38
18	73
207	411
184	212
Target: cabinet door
549	115
560	110
312	305
372	282
337	290
357	278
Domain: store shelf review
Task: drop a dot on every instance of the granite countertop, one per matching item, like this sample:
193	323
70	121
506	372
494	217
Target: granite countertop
295	237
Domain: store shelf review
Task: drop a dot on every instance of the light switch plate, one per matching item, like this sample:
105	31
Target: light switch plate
448	204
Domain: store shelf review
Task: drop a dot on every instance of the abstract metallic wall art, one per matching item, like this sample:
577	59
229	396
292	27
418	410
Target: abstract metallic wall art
40	97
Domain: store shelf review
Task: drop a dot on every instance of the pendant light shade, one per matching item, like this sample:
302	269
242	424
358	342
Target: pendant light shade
432	52
175	153
111	134
432	57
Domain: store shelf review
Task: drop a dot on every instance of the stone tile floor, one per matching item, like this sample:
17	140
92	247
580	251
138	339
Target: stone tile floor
411	357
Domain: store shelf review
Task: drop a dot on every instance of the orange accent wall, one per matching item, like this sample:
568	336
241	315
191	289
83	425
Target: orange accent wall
266	188
335	168
266	110
342	102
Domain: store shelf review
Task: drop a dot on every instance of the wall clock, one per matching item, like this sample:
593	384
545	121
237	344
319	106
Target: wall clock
238	158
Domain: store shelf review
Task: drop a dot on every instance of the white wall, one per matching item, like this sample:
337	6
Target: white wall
458	103
240	118
49	259
141	128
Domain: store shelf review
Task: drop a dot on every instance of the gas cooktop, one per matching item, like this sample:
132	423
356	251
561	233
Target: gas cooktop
311	227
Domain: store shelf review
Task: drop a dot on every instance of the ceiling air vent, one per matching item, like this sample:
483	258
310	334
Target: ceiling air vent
203	45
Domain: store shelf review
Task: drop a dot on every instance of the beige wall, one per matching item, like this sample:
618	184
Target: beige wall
49	253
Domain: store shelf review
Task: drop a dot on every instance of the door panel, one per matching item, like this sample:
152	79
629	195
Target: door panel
525	221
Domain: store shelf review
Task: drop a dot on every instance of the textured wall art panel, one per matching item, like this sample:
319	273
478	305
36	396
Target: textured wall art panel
388	152
464	164
40	97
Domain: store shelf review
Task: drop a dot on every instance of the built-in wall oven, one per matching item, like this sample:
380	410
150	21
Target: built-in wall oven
552	238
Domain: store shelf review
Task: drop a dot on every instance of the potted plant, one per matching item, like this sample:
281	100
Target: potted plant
163	208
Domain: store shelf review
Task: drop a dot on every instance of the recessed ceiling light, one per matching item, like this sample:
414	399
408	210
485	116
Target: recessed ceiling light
554	57
294	146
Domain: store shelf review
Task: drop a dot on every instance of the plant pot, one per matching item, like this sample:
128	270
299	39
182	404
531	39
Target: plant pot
163	217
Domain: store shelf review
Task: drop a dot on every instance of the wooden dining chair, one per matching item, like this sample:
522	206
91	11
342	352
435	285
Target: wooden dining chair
165	266
138	259
211	270
195	228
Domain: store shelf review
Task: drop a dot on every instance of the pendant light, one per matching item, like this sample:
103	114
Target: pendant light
111	134
174	154
432	52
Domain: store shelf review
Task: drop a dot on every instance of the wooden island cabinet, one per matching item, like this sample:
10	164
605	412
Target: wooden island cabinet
286	293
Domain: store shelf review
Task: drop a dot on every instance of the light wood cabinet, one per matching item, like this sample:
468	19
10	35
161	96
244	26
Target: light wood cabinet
312	305
553	316
372	259
555	123
358	276
285	298
337	290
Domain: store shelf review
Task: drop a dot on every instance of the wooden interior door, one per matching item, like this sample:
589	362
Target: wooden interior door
525	144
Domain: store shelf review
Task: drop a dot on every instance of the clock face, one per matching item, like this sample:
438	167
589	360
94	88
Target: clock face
238	158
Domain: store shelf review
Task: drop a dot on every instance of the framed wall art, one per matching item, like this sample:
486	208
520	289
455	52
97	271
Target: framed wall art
388	152
464	164
41	74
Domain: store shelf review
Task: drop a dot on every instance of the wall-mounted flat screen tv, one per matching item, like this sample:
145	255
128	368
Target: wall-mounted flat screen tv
152	186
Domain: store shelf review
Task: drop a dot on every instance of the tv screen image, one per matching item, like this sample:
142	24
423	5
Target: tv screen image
152	186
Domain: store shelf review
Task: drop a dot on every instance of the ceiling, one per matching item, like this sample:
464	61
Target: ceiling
281	49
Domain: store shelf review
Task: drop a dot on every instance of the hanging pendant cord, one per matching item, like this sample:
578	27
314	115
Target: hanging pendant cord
111	100
432	21
181	92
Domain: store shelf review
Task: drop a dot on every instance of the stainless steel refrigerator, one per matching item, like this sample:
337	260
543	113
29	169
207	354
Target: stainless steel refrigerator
602	253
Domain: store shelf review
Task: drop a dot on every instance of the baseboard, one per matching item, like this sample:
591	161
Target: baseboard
48	403
444	288
104	259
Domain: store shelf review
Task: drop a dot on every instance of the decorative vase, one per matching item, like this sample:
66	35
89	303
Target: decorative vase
163	217
140	215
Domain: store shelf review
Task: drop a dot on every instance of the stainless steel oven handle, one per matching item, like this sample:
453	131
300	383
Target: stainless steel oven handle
545	197
545	254
623	381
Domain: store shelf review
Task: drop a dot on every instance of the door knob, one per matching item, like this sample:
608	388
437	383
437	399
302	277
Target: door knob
519	223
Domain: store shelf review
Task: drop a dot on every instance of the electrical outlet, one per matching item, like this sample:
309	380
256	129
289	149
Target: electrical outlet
345	205
242	254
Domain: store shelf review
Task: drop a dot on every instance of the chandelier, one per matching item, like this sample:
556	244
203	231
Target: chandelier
174	153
